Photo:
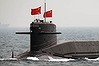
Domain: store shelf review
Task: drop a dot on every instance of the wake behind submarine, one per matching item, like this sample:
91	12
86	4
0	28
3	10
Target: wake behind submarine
43	41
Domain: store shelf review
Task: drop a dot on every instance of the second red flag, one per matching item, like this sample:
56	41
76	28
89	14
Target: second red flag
47	14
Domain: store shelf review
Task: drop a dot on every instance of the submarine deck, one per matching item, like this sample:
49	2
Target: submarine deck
75	49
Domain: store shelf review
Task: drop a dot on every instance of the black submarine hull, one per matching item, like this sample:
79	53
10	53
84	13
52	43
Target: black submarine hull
72	49
43	41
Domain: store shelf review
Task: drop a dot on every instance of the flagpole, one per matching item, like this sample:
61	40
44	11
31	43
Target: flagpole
45	10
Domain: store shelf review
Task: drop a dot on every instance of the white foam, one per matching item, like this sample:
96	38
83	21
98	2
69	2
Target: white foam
32	58
92	59
52	59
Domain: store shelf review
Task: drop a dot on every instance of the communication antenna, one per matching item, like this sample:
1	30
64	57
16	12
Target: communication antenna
45	9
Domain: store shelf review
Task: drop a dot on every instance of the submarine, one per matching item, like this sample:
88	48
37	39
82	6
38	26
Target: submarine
43	41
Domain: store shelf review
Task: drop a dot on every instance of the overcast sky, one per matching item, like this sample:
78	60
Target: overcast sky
67	13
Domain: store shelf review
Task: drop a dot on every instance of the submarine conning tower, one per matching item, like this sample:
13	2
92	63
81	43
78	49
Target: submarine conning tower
42	35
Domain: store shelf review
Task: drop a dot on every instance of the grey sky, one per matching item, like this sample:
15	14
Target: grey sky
65	12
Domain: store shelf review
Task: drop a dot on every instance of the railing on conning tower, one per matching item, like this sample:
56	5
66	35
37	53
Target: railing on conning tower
41	21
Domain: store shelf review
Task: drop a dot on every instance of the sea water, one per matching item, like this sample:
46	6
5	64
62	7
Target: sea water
9	41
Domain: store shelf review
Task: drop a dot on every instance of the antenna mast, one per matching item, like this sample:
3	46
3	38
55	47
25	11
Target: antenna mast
45	10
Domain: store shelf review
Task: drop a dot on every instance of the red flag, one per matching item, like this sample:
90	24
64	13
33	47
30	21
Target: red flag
47	14
36	11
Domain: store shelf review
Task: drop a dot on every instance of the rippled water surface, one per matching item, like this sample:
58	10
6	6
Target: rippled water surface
20	43
48	63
